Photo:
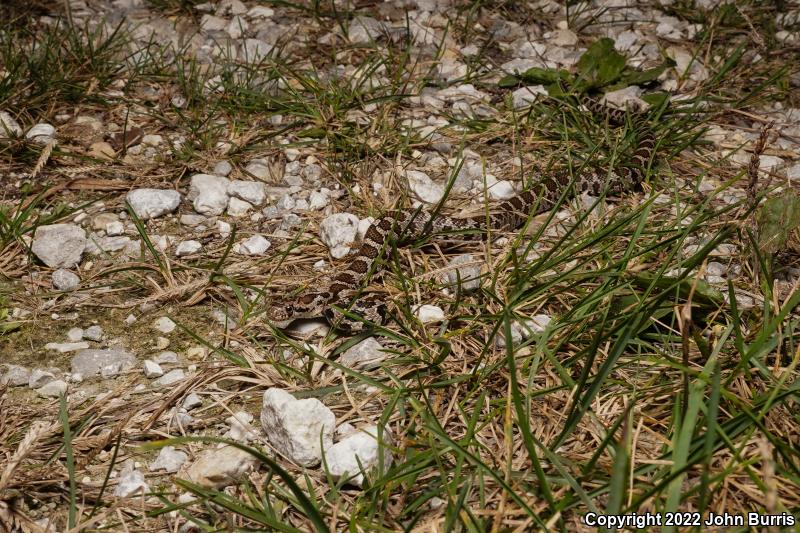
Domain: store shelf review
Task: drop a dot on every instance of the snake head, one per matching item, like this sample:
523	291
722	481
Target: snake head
308	305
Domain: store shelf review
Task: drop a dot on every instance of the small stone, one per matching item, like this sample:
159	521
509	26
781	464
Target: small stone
366	354
464	270
164	324
169	459
152	369
102	150
222	168
193	220
213	23
9	127
170	378
525	96
153	203
239	427
65	347
15	376
131	483
209	194
90	362
191	401
115	228
53	389
220	467
252	192
359	453
64	280
39	378
317	200
41	133
59	245
255	245
93	333
338	231
428	314
188	248
300	429
167	358
237	207
423	187
75	334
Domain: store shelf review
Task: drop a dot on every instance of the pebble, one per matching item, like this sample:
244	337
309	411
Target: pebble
41	133
188	248
170	378
91	361
421	185
153	203
299	429
252	192
464	270
368	353
53	389
65	347
358	452
15	376
338	231
64	280
169	459
208	194
220	467
152	369
255	245
9	126
59	245
428	314
93	333
131	483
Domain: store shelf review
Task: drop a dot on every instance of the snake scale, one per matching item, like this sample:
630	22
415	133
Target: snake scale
404	225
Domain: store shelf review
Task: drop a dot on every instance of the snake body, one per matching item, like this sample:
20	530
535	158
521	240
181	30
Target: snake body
404	225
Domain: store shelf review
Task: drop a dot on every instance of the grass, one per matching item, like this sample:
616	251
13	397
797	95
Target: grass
650	390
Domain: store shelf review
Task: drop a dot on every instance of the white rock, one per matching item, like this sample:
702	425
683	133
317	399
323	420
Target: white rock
152	369
256	49
75	334
464	269
255	245
213	23
115	228
167	358
65	347
64	280
237	207
52	389
170	378
153	203
524	96
222	168
9	127
262	12
220	467
15	376
423	187
428	314
41	133
793	172
366	354
59	245
130	483
91	362
252	192
358	453
164	324
521	330
240	428
338	231
191	401
237	27
39	377
364	30
296	428
317	200
499	189
563	37
93	333
208	194
169	459
188	248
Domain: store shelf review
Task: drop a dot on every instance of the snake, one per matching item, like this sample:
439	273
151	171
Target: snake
340	300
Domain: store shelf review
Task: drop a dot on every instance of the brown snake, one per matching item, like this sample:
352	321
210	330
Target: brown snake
404	225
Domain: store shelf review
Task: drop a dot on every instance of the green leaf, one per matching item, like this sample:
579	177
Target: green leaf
600	65
777	218
656	99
